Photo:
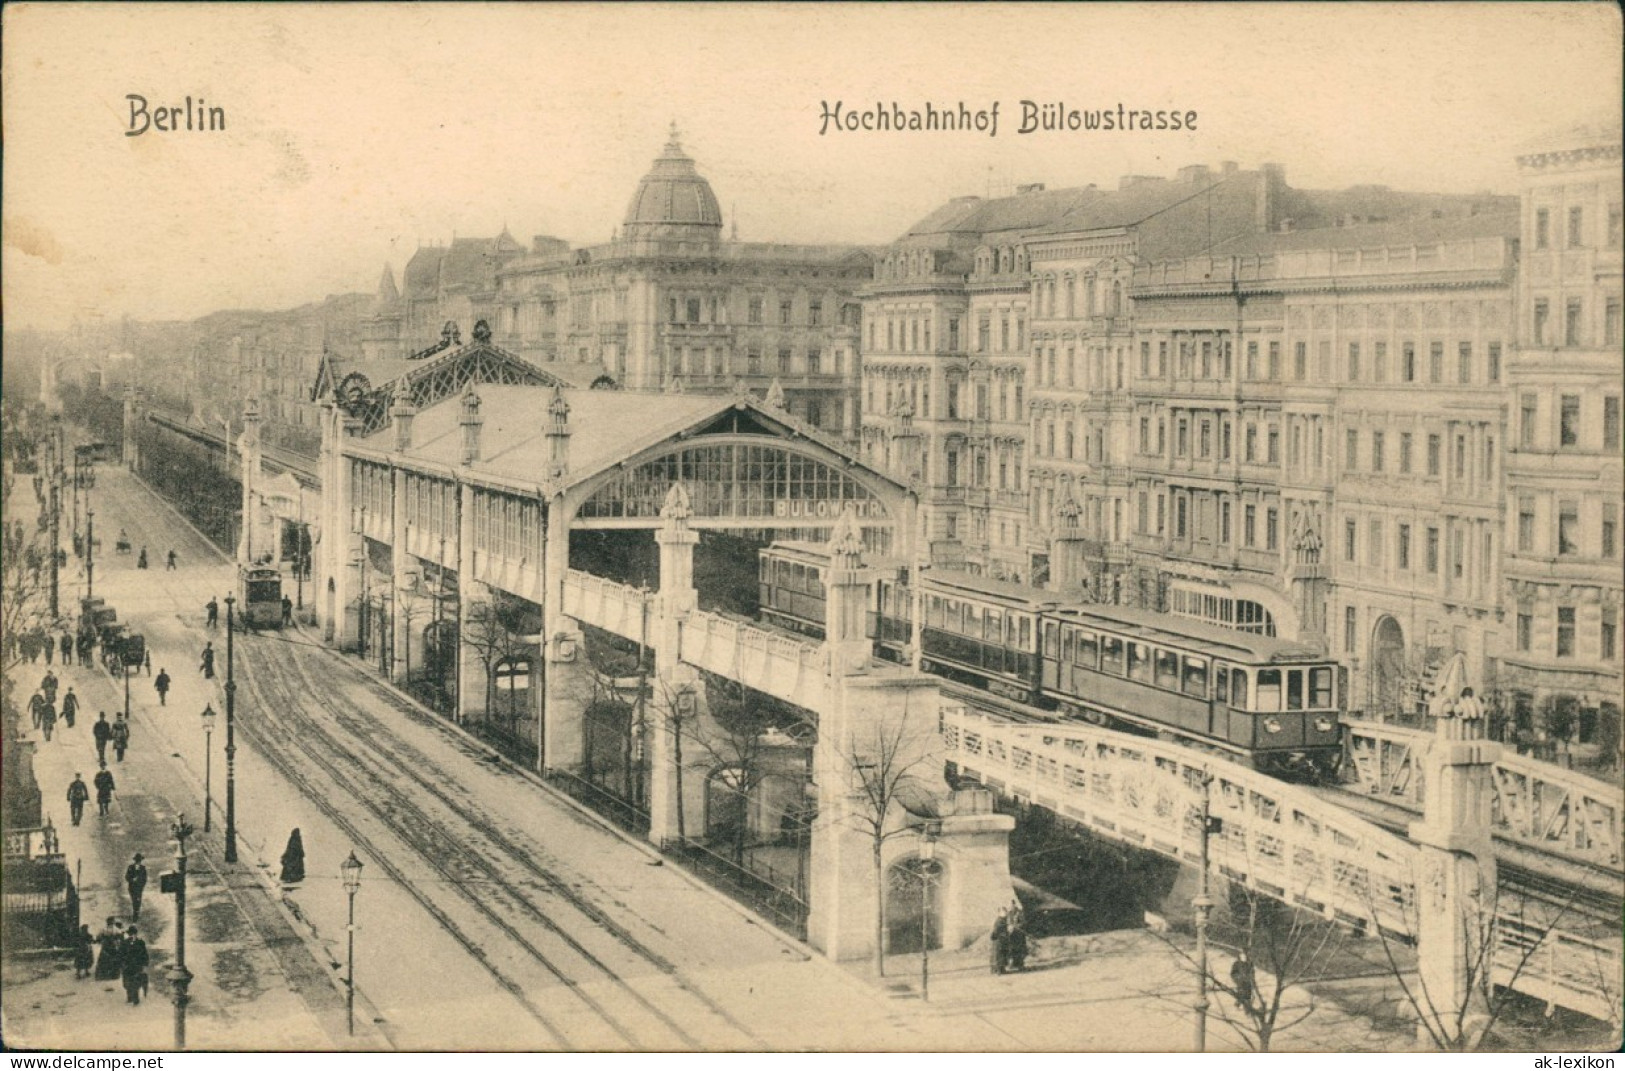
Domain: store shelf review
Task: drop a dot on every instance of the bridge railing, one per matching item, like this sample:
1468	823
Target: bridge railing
1559	965
1272	836
789	669
1547	807
606	604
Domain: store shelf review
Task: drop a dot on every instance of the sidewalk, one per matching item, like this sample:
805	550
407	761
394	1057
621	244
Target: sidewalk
256	984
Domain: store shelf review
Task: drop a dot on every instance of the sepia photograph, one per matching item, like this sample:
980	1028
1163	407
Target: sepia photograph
715	528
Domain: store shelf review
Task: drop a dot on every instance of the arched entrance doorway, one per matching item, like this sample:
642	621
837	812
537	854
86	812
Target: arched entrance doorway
914	905
1387	695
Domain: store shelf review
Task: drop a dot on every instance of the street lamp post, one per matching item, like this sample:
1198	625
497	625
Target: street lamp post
928	854
179	976
90	554
1203	903
208	763
231	734
350	872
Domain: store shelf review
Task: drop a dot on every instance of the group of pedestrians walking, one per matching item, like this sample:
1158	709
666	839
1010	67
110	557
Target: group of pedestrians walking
115	953
1010	943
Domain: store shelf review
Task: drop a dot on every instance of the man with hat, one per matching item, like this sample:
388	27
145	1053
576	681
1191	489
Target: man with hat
135	879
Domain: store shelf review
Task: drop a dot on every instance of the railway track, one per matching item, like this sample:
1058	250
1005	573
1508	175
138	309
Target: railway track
490	871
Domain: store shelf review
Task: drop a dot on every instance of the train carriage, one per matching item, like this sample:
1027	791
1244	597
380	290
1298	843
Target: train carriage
259	597
981	631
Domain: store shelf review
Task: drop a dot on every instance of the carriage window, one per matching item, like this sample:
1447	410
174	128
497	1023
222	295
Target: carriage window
1269	691
1238	689
817	585
1167	669
1195	676
1088	650
1139	661
1221	681
798	577
1111	655
1294	689
1026	633
1320	688
934	612
994	632
1069	644
1052	641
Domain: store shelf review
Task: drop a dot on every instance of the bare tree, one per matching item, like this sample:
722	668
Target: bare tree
495	630
24	589
885	767
1285	949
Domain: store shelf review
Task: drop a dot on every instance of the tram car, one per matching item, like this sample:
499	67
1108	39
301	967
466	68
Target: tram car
259	597
1273	703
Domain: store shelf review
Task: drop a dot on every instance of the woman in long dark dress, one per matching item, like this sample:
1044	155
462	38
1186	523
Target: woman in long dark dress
84	952
110	962
293	860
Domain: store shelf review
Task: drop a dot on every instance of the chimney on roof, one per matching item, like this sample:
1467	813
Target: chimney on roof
1030	187
402	412
1193	173
558	435
1271	186
472	422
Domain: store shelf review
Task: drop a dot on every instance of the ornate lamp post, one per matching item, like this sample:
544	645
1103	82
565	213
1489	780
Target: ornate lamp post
1203	903
90	554
179	976
231	734
350	872
208	718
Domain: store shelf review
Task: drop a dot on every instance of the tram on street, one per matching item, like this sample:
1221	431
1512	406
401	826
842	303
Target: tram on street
259	597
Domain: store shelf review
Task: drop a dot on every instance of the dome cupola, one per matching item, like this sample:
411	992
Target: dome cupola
674	200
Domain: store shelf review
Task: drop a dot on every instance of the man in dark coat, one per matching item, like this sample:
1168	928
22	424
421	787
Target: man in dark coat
36	707
287	610
135	880
161	683
104	790
47	719
1242	980
1001	942
65	645
134	963
47	685
70	707
207	664
102	733
213	608
78	796
121	736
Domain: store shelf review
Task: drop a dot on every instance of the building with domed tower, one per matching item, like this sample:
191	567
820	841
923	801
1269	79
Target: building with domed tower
668	303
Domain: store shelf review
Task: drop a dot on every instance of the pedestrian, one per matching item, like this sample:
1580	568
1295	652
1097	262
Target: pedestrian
134	963
109	962
135	880
87	643
102	733
1016	941
161	683
141	559
170	567
121	736
84	952
47	717
1001	940
70	707
293	860
78	796
287	611
48	686
36	706
207	667
65	645
1241	980
213	608
48	647
104	790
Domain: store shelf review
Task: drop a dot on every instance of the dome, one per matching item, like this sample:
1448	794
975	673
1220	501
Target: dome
673	195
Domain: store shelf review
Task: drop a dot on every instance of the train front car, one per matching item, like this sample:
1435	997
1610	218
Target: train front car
791	586
259	594
1273	703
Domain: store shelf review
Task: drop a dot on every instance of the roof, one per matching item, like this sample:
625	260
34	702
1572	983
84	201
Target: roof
1153	627
1406	232
673	192
1601	132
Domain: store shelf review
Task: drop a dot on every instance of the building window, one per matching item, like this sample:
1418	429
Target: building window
1526	629
1379	362
1206	440
754	315
1610	545
1433	455
1610	423
1614	226
1377	451
1274	367
1373	550
1350	540
1436	362
1526	420
1576	228
1407	362
815	314
1568	426
1610	321
1224	521
1300	361
1224	441
1251	369
1273	444
1324	371
1565	632
1608	635
1492	370
815	362
1526	523
1568	529
1354	362
815	414
786	309
1432	551
1251	453
1403	550
1180	505
1461	457
1543	312
1543	228
784	361
1571	322
1351	451
1464	362
1181	438
1249	526
1272	530
1145	435
1162	513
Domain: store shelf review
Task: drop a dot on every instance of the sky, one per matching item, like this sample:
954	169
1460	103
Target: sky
355	134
